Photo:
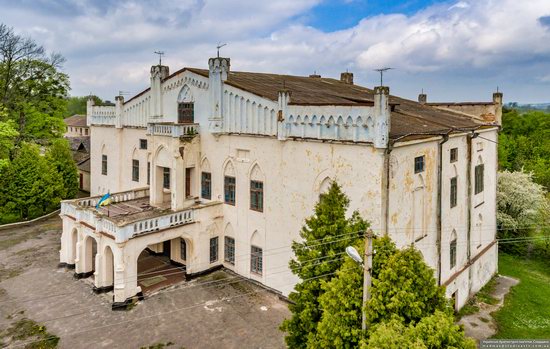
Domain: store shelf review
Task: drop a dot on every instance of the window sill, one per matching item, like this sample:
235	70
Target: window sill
229	203
253	273
255	210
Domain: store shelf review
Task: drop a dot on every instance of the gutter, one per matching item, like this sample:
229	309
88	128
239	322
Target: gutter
387	153
440	204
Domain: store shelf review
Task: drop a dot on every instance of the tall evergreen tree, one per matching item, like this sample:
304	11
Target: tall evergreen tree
325	236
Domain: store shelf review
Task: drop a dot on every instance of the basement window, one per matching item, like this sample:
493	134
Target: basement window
419	164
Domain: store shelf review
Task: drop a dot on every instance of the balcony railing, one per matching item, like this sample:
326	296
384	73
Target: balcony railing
122	230
173	130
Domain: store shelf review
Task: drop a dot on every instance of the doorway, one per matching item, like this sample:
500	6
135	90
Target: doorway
188	172
166	248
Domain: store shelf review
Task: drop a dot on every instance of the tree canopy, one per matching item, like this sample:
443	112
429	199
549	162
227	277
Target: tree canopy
33	90
524	144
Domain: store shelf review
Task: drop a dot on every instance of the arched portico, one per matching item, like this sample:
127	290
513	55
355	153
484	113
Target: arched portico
86	261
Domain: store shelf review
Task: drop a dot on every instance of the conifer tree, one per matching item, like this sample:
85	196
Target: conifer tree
325	236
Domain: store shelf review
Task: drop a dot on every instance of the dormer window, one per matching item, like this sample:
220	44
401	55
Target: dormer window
186	113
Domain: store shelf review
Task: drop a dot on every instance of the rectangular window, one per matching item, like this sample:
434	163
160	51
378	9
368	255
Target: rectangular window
183	249
419	164
206	185
256	260
452	254
454	154
479	169
229	190
213	249
104	164
186	113
86	131
142	144
148	172
453	191
229	250
166	178
135	170
256	196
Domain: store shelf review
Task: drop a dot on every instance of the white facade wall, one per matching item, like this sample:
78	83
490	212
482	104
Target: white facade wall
294	171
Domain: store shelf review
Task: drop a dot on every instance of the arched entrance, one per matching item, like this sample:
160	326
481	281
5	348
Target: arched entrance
88	258
74	241
156	270
108	267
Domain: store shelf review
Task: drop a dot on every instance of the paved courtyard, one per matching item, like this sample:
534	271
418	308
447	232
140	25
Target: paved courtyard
219	310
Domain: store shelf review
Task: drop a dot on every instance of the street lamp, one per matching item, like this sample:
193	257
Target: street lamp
352	252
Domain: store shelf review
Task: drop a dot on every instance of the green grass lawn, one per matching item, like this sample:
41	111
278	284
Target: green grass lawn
526	310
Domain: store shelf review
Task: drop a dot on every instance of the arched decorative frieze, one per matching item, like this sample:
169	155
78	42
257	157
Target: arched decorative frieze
257	239
255	173
228	168
185	95
162	157
205	165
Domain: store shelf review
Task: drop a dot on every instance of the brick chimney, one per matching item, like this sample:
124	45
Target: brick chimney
347	78
422	98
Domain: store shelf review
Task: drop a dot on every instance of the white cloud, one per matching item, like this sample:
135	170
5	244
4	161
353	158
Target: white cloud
465	48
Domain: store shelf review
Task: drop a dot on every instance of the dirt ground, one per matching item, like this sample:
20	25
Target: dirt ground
207	312
481	325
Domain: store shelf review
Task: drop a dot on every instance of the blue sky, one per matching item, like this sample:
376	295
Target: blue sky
334	15
456	50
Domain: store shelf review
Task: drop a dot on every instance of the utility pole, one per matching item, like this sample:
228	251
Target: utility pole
367	266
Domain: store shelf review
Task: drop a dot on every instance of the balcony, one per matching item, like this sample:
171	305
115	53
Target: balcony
173	130
130	215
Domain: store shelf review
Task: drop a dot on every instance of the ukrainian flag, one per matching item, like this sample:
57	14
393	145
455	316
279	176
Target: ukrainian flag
104	201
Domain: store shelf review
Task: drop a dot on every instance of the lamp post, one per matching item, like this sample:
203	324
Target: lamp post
352	252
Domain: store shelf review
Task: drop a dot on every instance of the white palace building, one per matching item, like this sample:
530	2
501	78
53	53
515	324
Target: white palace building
218	168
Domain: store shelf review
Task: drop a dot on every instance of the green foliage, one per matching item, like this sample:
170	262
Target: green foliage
29	186
431	332
35	334
325	236
405	289
522	207
8	134
524	144
32	88
340	325
77	105
59	155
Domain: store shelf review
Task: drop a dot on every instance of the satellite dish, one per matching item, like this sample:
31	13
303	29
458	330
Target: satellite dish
352	252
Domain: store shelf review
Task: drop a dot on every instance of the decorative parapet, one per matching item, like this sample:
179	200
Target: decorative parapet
353	124
172	130
101	115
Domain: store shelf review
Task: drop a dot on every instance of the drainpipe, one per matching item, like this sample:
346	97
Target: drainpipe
469	201
387	153
440	204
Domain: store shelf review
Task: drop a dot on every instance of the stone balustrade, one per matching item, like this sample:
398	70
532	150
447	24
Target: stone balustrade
172	130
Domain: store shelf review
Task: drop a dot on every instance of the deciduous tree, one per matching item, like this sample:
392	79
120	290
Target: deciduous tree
60	157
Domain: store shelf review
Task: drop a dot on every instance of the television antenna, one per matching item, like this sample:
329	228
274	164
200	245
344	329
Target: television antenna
218	48
160	53
382	71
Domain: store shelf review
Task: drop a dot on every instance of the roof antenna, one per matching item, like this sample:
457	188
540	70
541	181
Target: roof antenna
382	71
218	48
497	89
160	53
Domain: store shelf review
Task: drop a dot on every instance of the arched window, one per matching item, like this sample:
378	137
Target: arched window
479	174
256	189
452	250
186	106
